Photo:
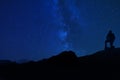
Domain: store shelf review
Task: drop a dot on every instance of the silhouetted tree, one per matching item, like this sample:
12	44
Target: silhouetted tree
110	38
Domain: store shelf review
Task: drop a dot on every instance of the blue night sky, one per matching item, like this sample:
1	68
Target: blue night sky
37	29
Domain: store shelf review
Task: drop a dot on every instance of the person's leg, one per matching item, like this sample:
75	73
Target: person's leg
106	44
111	44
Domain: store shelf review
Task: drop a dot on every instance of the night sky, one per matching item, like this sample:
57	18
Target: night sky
38	29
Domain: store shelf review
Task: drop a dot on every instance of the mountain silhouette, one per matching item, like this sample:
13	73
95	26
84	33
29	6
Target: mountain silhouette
66	58
111	56
103	64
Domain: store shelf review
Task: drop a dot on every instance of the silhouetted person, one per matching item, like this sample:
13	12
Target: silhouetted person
110	38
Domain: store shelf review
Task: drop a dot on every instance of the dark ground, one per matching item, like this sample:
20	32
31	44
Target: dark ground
103	65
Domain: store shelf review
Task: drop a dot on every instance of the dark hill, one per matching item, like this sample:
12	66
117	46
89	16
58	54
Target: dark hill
66	58
66	65
111	56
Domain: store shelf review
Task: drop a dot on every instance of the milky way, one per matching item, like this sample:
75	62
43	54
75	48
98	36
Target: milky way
37	29
70	20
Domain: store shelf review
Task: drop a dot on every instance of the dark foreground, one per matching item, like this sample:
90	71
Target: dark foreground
104	65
